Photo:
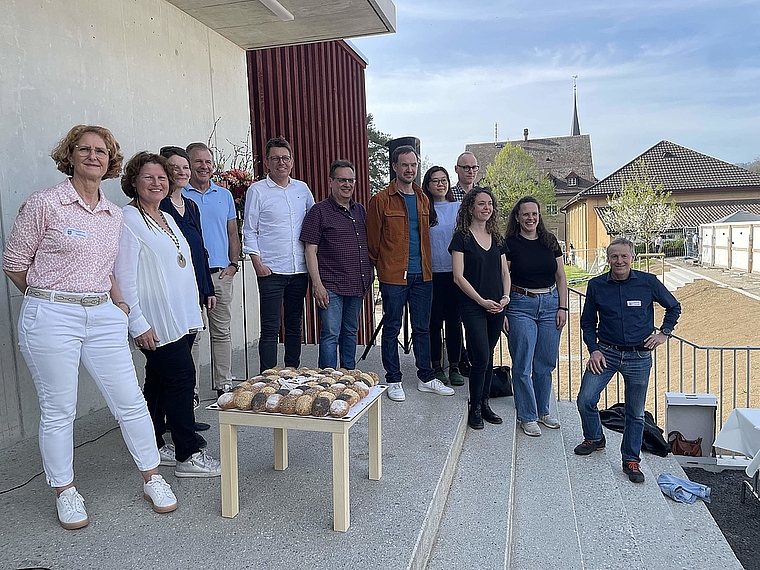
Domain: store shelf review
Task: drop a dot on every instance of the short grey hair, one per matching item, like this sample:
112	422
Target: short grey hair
622	241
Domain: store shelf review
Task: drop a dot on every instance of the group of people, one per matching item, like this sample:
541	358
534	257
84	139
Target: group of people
99	280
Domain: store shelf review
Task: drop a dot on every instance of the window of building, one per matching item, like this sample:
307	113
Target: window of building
552	209
572	181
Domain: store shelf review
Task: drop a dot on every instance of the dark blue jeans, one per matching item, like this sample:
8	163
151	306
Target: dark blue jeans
634	367
419	295
281	295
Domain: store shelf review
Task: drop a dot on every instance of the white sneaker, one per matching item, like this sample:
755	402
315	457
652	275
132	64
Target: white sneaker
71	512
531	428
549	421
166	453
435	386
396	392
158	492
199	464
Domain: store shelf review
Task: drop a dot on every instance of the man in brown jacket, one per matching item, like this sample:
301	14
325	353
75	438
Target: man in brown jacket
398	240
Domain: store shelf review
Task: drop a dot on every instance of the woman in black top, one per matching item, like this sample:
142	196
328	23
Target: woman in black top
536	314
480	271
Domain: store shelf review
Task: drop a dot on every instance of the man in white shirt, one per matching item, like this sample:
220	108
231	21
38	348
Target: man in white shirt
274	212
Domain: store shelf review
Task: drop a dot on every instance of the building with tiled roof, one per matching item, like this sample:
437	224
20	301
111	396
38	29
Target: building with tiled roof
705	189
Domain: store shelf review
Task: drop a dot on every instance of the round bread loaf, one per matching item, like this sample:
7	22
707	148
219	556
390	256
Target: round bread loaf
226	401
256	387
345	397
352	394
268	390
273	403
360	389
243	399
303	405
375	378
326	394
259	402
288	404
327	370
283	391
335	390
320	407
270	372
296	392
339	408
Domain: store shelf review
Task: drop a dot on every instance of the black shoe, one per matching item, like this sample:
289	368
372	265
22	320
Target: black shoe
488	414
475	419
219	393
201	426
588	446
631	468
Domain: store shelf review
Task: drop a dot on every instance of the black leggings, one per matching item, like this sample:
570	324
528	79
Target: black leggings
445	307
483	330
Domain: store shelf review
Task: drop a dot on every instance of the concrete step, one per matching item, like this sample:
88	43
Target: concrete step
678	277
474	529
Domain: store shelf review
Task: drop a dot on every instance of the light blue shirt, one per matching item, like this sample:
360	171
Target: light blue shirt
440	235
217	208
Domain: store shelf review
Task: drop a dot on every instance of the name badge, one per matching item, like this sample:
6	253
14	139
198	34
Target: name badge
634	303
71	232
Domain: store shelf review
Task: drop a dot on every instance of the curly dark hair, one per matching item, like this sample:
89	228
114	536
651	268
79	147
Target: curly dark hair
426	182
132	171
62	152
546	238
464	216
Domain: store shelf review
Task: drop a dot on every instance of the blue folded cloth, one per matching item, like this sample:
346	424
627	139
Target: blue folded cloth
682	490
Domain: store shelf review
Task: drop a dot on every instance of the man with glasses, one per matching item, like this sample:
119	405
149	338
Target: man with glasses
398	238
222	242
275	209
467	171
335	237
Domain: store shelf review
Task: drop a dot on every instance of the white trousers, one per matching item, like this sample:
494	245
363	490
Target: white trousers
53	338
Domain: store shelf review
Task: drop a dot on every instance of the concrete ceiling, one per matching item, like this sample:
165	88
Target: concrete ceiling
251	25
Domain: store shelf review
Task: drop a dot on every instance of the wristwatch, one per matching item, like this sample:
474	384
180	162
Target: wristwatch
235	265
666	331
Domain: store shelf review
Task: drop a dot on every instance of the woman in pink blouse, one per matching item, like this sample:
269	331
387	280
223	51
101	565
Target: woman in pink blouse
61	254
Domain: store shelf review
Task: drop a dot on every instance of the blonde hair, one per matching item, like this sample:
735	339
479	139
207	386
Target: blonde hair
64	149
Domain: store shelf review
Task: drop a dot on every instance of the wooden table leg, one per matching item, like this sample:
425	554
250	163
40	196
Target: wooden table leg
229	459
375	442
280	449
341	501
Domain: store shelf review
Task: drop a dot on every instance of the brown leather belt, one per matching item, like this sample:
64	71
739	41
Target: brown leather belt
533	292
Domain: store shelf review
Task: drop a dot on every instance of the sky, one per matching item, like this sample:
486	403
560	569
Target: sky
683	70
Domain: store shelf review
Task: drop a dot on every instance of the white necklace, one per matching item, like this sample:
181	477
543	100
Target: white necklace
181	261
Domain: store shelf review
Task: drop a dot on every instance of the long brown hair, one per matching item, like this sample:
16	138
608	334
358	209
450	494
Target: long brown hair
464	216
545	237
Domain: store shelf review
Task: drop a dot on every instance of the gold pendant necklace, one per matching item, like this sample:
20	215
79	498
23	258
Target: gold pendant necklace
181	261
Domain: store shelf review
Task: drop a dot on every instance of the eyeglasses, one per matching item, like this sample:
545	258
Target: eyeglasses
345	180
468	168
282	159
439	181
84	151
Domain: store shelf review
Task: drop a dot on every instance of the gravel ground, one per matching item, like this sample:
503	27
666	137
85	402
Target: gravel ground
740	523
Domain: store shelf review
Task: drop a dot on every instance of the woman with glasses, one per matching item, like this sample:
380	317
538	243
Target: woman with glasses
61	254
480	270
445	307
536	315
154	270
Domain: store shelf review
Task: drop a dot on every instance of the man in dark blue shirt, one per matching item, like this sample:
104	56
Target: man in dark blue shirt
618	329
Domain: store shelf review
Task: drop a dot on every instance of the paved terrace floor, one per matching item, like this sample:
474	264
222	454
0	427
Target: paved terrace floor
449	498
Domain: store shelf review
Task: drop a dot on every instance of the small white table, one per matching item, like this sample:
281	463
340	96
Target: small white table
741	433
229	420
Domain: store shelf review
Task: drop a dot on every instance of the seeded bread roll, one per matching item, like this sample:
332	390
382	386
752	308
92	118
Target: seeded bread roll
335	390
375	378
360	389
320	407
256	387
268	390
366	378
339	408
226	401
327	370
303	405
345	397
326	394
273	403
244	385
243	399
259	402
270	372
352	394
288	404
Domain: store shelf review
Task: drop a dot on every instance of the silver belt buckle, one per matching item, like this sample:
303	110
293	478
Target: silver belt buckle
91	300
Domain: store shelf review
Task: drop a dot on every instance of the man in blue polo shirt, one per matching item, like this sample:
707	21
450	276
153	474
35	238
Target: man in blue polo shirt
618	329
222	241
334	234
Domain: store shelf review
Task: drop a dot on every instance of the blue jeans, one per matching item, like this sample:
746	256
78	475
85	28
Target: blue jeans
534	346
340	323
635	367
419	295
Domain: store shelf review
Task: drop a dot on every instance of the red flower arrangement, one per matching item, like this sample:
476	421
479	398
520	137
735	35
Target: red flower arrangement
237	182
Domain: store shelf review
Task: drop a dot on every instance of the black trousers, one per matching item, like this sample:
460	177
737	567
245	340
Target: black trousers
445	308
483	330
169	387
281	295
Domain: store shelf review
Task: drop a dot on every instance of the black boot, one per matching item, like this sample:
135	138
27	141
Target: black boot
474	419
488	414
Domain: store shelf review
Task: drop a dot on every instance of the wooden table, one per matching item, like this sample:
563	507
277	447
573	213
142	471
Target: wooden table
229	420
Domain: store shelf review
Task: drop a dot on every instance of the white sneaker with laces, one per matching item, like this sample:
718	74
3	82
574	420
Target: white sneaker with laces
199	464
549	421
396	392
160	494
531	428
166	453
71	512
435	386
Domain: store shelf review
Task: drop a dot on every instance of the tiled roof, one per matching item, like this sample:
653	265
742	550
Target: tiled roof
555	156
679	169
694	214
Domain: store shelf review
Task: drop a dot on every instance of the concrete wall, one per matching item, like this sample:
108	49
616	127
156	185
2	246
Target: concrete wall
142	68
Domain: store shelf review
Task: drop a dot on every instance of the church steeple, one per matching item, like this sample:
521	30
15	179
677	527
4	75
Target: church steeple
575	128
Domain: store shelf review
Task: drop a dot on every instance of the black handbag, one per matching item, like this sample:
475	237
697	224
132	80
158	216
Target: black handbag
501	385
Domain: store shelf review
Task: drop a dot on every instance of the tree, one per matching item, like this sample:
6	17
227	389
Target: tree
513	175
641	209
379	176
754	166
